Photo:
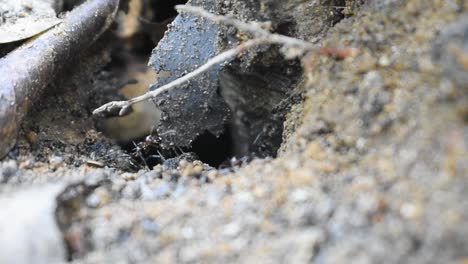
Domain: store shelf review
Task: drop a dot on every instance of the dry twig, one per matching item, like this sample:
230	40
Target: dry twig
123	106
292	48
254	28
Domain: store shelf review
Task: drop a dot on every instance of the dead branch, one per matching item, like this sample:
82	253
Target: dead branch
26	71
261	36
254	28
123	106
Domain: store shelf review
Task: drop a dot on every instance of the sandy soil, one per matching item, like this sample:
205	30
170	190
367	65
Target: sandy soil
372	169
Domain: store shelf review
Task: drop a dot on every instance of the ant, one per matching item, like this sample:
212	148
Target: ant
143	149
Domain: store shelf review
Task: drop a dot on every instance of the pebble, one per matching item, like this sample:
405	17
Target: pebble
131	191
8	170
192	169
187	232
93	200
150	225
94	177
299	195
161	190
32	137
55	162
129	176
384	61
231	229
179	191
410	210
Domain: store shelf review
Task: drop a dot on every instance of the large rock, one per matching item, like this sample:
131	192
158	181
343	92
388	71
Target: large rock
28	230
257	87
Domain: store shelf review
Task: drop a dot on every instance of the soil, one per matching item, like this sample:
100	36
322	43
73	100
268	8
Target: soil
372	167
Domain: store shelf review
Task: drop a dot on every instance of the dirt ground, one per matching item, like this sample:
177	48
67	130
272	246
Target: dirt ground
373	165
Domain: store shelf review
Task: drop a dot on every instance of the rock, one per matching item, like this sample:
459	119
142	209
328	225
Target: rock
150	225
28	228
131	191
191	169
8	170
192	108
55	162
95	176
255	90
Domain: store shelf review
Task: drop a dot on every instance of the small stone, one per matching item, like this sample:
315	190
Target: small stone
315	151
32	137
131	191
151	175
410	210
8	170
183	163
384	61
213	174
93	200
27	164
299	195
161	191
129	176
231	229
146	192
260	191
55	162
361	143
150	226
372	80
187	232
179	191
94	177
192	170
118	185
158	169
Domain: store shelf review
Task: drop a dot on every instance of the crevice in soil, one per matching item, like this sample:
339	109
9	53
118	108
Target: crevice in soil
258	97
213	150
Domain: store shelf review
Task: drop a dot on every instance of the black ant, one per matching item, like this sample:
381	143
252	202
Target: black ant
143	150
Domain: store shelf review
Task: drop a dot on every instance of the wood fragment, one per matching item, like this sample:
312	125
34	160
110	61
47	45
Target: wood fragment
96	164
26	71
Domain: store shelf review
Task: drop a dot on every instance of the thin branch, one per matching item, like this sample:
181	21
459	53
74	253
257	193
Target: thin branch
254	28
122	106
261	36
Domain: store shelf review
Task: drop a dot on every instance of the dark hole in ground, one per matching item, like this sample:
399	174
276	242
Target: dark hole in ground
259	97
214	150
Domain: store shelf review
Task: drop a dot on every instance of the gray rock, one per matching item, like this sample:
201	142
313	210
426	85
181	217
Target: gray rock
28	229
8	170
196	106
261	74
